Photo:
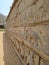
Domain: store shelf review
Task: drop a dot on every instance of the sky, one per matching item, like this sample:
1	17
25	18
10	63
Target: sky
5	6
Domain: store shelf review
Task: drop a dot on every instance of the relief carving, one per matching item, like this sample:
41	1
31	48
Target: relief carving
35	12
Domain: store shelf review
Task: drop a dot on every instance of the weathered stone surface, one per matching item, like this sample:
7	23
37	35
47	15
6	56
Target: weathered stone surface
29	21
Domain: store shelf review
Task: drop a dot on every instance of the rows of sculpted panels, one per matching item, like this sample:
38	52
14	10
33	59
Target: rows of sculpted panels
37	36
20	24
29	12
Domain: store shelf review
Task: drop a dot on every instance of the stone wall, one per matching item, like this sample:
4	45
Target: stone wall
29	21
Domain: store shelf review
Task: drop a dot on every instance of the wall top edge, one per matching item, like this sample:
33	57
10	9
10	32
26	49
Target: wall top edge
11	8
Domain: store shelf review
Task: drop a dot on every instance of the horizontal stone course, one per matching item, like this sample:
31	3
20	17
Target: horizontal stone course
29	20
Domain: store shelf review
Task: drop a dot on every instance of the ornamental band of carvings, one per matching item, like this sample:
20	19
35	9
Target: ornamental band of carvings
28	28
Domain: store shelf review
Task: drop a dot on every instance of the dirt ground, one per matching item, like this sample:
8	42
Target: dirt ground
1	49
7	54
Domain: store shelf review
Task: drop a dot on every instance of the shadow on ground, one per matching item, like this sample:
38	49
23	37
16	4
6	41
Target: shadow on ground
9	54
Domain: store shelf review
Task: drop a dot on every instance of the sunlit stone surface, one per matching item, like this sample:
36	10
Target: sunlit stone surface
28	28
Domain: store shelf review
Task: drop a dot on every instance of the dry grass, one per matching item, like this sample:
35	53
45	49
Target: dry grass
2	29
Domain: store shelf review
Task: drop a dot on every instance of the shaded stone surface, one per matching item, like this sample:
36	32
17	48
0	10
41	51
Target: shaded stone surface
7	54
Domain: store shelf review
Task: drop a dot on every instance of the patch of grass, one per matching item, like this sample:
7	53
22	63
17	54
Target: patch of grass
2	29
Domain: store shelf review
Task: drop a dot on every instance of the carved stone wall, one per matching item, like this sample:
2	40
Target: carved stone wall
28	28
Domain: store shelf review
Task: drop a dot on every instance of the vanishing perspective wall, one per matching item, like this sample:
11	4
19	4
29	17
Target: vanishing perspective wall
28	28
